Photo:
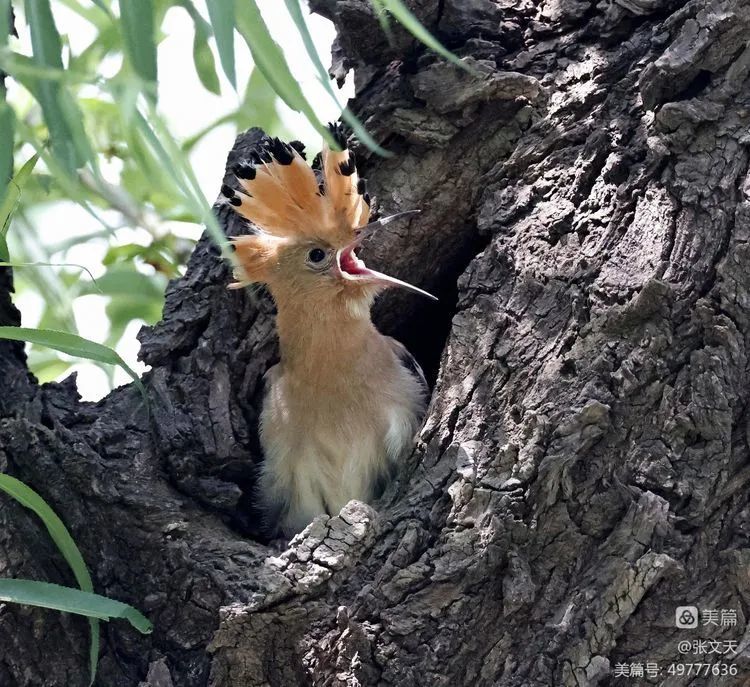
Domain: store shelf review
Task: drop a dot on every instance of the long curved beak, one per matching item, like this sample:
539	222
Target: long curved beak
354	269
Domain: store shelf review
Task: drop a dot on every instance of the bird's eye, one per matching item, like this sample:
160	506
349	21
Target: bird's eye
316	255
318	258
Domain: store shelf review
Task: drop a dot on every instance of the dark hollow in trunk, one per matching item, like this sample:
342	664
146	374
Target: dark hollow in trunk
583	469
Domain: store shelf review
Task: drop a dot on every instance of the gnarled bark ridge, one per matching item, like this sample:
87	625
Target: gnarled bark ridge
583	468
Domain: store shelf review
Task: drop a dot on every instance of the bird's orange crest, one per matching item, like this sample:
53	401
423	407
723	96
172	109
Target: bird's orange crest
308	222
287	199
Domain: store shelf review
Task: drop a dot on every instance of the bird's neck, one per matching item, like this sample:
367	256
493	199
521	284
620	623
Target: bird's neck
317	342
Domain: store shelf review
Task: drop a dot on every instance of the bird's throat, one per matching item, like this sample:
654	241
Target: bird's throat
325	346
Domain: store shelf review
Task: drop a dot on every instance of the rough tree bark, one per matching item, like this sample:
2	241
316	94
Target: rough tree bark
583	468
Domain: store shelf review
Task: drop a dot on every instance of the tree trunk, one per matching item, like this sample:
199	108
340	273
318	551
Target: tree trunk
583	468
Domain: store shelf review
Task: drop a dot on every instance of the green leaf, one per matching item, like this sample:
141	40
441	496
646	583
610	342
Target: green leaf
295	11
137	19
270	60
258	104
63	119
203	56
125	280
405	17
10	202
7	124
47	367
160	254
205	65
28	498
103	5
37	263
45	40
74	345
221	13
69	600
383	19
107	40
175	162
4	23
200	23
96	14
70	185
29	71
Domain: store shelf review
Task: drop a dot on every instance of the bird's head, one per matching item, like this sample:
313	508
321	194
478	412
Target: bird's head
309	224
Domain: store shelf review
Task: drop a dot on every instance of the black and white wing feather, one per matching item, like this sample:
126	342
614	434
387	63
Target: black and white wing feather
410	363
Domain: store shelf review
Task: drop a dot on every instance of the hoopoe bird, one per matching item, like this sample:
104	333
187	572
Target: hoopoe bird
344	403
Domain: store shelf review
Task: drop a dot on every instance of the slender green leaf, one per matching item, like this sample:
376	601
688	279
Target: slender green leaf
45	40
173	160
205	65
103	5
7	121
107	40
28	498
56	264
69	184
51	87
258	104
8	127
74	345
221	13
351	119
29	72
69	600
125	280
7	124
200	23
383	19
10	202
269	58
47	51
158	254
96	13
16	187
405	17
64	120
137	19
4	23
47	367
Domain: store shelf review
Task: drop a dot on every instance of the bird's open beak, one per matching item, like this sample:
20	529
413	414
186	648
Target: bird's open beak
353	269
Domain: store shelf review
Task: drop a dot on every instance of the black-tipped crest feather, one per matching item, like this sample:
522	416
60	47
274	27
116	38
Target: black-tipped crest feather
337	132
